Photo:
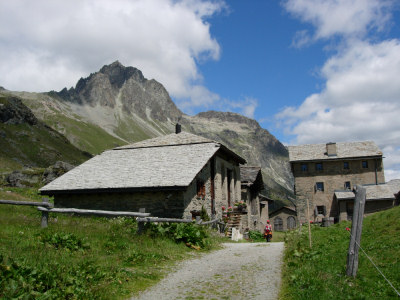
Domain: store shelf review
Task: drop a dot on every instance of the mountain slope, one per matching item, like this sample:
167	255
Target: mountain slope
117	105
246	137
27	141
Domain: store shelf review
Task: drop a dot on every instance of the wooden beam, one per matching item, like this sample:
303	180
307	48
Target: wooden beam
94	212
356	231
12	202
163	220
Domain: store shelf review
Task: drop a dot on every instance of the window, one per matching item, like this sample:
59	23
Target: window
318	167
347	185
319	186
364	164
321	210
346	165
201	189
291	222
278	224
304	167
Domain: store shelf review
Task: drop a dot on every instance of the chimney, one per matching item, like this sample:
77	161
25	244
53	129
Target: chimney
178	128
331	149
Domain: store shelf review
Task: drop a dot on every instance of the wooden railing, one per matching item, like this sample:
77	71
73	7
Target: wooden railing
141	217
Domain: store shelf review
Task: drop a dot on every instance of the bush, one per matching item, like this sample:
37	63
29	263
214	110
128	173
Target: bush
188	233
256	236
63	240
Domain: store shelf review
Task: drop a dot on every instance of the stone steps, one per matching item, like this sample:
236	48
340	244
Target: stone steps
234	222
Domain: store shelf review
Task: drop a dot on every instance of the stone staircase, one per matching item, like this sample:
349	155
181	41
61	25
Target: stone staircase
234	222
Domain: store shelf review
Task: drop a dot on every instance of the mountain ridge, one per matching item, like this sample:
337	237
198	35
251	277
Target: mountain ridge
119	105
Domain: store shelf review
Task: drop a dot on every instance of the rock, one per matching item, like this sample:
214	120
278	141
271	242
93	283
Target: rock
35	177
58	169
13	111
23	179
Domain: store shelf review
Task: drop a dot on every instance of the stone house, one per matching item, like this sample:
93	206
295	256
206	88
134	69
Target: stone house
283	219
257	205
170	176
320	170
378	197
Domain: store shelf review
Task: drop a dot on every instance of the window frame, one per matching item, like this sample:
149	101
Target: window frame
319	186
347	185
304	167
319	166
346	165
201	189
364	164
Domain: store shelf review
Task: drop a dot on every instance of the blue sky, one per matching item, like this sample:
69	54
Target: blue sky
310	71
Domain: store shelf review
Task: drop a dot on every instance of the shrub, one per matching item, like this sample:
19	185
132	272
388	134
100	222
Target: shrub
256	236
63	240
188	233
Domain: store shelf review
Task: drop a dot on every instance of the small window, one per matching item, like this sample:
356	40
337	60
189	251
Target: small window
278	224
304	167
201	189
318	167
347	185
365	164
321	210
319	186
346	165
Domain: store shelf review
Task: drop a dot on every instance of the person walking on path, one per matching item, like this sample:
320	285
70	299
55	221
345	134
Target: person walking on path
268	231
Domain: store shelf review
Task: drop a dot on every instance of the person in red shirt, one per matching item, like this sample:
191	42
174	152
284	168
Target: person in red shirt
268	231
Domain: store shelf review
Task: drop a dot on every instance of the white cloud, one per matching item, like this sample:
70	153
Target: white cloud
340	17
361	97
47	45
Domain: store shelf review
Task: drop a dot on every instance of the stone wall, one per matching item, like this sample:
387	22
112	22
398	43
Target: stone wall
333	177
172	204
159	204
371	206
284	214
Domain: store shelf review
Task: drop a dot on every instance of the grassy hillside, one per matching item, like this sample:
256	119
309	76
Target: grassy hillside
320	272
31	142
77	257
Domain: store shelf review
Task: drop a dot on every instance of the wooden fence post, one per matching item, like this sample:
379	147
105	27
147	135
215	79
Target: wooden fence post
141	224
45	214
356	230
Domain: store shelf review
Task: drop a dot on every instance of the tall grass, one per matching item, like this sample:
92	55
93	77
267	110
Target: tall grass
78	257
320	272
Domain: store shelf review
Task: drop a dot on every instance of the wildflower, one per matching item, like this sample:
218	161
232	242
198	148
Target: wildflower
347	228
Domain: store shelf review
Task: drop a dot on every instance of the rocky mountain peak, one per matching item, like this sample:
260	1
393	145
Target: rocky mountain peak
228	117
119	74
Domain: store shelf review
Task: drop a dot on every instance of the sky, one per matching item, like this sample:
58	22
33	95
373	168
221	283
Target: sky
309	71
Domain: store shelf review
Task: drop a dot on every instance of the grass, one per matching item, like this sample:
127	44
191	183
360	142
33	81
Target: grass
78	257
320	272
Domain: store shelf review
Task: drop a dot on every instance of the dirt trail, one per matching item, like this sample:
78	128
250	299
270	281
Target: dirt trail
238	271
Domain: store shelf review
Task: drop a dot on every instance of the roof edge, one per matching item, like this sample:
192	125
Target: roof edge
112	190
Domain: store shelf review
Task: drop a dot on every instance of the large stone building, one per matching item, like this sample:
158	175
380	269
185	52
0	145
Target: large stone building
170	176
320	170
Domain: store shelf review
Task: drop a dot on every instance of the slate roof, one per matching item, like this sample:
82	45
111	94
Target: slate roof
279	210
251	177
344	151
183	138
249	174
374	192
167	162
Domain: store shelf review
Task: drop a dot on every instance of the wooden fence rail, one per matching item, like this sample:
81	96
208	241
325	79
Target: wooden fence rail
94	212
12	202
141	217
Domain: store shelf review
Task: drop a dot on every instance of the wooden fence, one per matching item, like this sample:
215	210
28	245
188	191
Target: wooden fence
141	217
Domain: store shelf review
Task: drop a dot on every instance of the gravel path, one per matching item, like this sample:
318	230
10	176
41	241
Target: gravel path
238	271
